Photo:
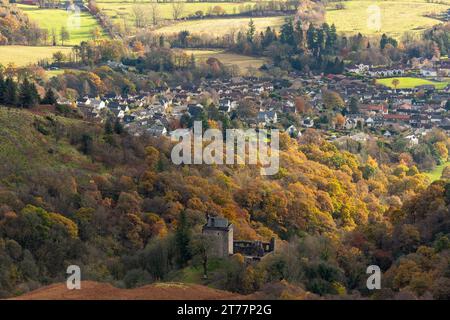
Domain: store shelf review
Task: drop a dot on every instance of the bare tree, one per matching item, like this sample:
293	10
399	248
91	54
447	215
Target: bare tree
139	15
154	13
177	9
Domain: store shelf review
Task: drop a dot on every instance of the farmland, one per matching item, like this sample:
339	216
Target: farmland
410	82
218	27
123	10
244	63
55	19
396	17
23	55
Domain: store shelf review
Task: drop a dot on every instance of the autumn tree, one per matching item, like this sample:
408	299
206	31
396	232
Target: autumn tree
395	83
332	100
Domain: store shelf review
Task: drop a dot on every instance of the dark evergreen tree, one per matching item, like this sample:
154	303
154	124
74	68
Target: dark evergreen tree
2	89
108	126
311	38
10	96
118	128
383	41
354	105
28	95
182	241
287	32
49	97
251	31
387	40
268	38
299	34
86	144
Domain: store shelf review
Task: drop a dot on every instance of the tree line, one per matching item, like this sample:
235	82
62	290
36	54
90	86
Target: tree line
22	94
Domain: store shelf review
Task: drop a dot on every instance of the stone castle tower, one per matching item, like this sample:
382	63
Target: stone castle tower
221	234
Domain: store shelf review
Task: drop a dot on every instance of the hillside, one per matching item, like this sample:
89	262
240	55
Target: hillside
91	290
72	192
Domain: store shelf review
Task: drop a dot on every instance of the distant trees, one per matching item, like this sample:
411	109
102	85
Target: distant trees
139	15
16	28
22	94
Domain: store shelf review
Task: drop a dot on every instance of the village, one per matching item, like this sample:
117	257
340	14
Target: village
362	104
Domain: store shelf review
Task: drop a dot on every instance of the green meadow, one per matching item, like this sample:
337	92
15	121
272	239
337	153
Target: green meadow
410	82
79	27
395	17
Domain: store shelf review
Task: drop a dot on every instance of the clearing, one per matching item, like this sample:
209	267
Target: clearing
437	172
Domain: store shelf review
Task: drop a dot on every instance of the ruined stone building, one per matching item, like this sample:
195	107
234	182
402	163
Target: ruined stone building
220	232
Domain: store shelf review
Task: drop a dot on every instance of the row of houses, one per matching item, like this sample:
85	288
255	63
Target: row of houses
161	110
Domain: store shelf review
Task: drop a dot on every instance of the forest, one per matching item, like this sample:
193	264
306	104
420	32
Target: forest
115	205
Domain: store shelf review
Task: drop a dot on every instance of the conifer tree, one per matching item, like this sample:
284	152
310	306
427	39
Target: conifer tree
182	240
28	95
10	97
49	97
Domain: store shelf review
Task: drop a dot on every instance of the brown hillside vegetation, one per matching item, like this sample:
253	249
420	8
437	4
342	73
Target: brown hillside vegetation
91	290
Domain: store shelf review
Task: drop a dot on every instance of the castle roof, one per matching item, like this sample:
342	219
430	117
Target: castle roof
217	223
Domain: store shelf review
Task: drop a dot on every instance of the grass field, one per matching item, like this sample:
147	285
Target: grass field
409	82
217	27
120	10
396	16
245	63
437	172
54	73
24	55
79	30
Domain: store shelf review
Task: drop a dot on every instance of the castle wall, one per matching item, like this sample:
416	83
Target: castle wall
221	241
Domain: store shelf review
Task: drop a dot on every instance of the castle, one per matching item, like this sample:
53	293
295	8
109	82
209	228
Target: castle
223	244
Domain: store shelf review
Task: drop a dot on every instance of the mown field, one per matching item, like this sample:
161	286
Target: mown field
122	10
53	19
244	63
217	27
24	55
396	17
410	82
